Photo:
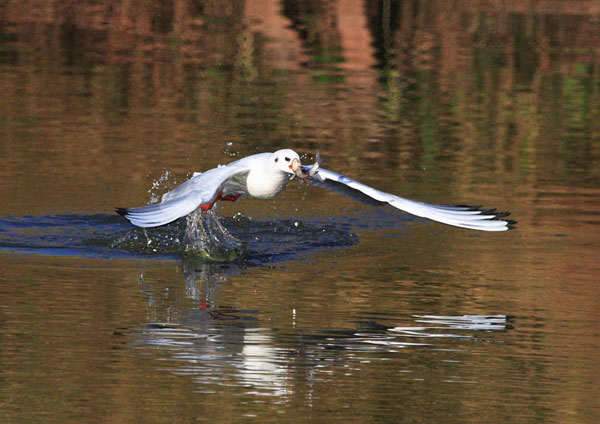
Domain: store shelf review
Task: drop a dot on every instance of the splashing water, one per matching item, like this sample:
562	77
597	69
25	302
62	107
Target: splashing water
206	236
163	183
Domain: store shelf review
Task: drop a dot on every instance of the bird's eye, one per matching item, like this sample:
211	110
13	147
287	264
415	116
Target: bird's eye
287	159
276	159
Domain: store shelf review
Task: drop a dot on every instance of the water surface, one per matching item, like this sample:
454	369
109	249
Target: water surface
336	310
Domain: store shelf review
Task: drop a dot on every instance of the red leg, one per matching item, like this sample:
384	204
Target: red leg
231	197
210	204
219	196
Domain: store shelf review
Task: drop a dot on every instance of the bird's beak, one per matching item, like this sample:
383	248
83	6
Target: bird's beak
296	166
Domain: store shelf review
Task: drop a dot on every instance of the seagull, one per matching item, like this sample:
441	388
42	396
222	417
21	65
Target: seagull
265	175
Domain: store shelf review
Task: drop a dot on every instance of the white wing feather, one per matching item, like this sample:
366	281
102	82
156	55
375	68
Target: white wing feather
161	213
200	189
458	216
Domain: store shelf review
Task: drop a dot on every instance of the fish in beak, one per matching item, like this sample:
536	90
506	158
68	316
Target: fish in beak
296	166
315	168
301	172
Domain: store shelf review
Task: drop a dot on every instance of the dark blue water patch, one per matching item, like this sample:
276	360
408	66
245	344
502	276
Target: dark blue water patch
285	239
81	235
107	236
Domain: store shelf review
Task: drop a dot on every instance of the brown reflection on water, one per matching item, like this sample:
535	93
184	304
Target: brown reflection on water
477	102
489	95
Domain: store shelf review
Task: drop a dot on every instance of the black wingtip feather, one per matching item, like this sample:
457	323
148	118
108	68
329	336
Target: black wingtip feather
121	211
469	207
511	224
500	215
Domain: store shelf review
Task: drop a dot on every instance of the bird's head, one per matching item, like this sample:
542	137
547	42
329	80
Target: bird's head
288	161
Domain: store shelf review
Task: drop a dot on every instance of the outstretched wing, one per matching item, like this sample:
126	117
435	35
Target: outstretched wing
199	190
473	218
161	213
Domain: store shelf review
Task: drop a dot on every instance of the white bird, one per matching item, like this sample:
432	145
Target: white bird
265	175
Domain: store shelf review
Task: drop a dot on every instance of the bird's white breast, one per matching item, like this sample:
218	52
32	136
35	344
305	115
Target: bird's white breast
266	183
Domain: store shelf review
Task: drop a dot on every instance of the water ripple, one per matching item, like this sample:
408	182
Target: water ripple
108	236
237	353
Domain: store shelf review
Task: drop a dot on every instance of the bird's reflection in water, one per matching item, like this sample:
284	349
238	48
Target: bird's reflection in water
216	345
219	346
